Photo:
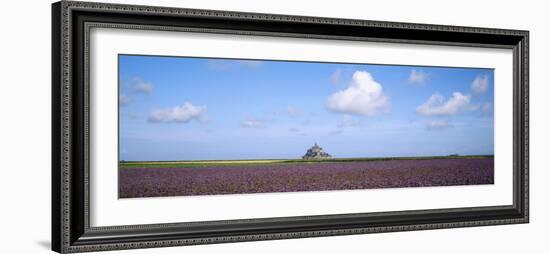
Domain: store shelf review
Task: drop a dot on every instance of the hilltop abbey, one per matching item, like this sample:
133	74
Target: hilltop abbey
316	153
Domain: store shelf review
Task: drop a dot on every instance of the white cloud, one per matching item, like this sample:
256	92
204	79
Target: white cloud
363	96
480	84
417	77
348	121
123	100
140	86
438	124
293	111
132	87
437	106
178	114
252	122
336	76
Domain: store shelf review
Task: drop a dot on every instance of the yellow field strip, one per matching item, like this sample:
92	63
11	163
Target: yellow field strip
202	162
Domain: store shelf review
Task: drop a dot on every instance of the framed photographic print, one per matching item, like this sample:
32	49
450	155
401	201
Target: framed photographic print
181	126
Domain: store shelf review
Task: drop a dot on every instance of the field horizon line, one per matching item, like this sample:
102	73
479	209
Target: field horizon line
294	160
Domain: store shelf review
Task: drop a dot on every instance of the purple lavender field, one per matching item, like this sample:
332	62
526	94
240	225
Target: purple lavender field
149	179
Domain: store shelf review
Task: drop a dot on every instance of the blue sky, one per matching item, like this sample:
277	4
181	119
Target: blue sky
180	108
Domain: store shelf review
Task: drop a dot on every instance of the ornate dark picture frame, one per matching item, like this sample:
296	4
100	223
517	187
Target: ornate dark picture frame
71	22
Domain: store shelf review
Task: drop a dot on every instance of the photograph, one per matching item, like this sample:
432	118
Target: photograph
235	125
206	126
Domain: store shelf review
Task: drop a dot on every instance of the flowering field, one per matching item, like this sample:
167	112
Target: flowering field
183	179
